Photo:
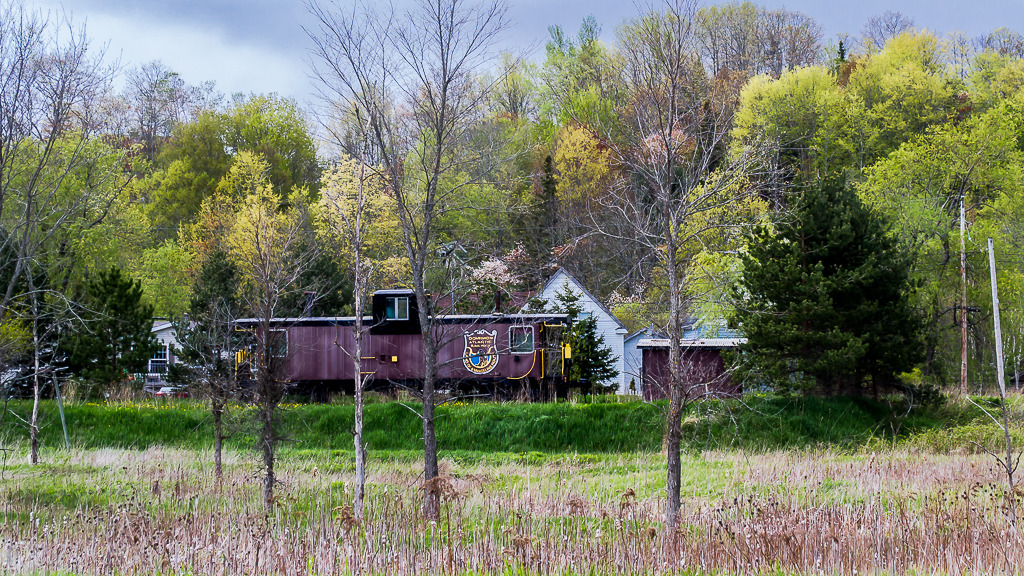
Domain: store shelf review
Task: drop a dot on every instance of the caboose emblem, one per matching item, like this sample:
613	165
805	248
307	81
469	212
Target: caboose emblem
481	353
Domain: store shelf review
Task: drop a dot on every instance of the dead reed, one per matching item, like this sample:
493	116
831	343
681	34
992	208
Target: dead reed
160	511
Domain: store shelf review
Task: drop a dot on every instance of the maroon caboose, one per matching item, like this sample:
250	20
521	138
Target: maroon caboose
498	354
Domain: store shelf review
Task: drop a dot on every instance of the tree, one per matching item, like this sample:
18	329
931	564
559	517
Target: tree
411	79
117	337
804	113
825	299
52	169
592	364
920	187
740	37
271	247
582	76
159	99
681	191
200	153
209	340
351	200
1002	41
881	28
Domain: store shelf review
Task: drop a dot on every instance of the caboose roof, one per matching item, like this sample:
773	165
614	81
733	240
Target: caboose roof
449	319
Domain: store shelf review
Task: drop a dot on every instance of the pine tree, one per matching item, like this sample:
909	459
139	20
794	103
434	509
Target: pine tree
593	364
117	339
825	299
539	225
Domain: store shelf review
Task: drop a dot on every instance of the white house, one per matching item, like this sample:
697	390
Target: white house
614	332
164	355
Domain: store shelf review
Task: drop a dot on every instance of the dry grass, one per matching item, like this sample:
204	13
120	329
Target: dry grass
160	511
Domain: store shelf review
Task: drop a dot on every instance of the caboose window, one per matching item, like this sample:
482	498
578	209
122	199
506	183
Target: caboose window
277	343
397	308
520	339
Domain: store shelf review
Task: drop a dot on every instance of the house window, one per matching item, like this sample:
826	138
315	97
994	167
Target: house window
520	339
583	315
158	363
397	308
277	343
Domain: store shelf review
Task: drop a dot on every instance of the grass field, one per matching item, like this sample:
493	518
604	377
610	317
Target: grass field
775	486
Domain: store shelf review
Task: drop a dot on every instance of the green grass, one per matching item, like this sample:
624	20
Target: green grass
756	423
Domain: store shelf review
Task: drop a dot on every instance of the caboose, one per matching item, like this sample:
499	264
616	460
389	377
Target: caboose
501	355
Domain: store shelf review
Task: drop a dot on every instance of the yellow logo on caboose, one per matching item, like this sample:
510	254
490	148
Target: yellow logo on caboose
481	353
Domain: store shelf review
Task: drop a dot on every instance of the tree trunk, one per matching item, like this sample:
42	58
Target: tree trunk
34	422
675	415
674	465
357	359
267	439
268	404
360	491
431	496
218	439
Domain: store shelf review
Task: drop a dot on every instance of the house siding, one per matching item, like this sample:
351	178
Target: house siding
607	325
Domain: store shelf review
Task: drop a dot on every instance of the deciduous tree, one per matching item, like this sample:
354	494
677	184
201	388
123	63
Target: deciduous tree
681	186
271	247
411	77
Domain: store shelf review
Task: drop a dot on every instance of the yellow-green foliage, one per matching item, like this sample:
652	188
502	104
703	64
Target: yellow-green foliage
379	225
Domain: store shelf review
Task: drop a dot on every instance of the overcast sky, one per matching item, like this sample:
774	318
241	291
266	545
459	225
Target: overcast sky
260	46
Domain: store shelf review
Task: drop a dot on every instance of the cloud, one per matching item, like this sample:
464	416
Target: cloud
198	44
263	22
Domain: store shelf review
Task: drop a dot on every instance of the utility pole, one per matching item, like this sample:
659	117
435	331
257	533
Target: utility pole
995	315
963	303
1008	464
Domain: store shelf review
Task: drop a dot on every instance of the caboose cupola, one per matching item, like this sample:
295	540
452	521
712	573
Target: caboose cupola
395	311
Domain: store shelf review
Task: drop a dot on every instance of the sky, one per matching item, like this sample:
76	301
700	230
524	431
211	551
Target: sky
259	46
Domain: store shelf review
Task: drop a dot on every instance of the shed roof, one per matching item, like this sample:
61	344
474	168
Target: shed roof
698	343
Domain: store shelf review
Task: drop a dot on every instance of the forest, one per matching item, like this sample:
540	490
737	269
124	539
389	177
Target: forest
642	166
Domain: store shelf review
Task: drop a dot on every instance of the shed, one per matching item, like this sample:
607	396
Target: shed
632	358
704	372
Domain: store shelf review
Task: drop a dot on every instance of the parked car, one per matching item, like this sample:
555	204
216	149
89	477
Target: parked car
171	392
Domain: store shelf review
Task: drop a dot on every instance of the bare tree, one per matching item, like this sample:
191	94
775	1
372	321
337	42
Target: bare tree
158	99
208	341
743	38
50	83
684	188
880	28
49	80
272	249
347	216
413	79
789	39
960	53
1002	41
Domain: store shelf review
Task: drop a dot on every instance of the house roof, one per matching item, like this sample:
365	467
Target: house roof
586	292
161	325
646	331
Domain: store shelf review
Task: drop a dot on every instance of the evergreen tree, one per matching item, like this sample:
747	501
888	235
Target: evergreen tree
117	338
208	341
592	364
825	299
547	226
